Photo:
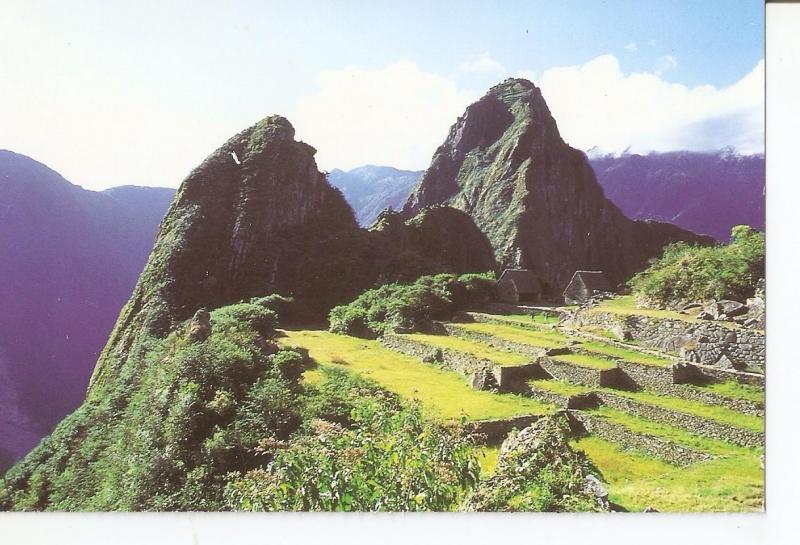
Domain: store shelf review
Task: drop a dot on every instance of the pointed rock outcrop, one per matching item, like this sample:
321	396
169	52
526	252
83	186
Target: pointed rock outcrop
536	198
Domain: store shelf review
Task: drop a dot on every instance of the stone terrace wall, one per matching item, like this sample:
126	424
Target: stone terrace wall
452	359
652	446
698	342
700	426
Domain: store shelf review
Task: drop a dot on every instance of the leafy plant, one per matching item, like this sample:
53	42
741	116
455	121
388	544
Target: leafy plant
690	273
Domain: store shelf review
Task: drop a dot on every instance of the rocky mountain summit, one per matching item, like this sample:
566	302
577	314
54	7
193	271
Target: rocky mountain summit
536	198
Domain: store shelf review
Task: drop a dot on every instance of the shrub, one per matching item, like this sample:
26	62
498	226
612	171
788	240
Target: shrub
690	273
410	307
257	317
388	459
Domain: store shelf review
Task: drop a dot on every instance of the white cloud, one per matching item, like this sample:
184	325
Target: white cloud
484	64
597	105
529	75
397	115
631	46
665	63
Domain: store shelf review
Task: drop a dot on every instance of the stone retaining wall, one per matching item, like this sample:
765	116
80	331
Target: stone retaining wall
650	445
698	342
694	424
494	432
491	340
458	361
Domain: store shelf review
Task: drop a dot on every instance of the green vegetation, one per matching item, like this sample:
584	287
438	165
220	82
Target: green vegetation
477	349
487	457
526	319
381	457
410	307
542	339
587	360
443	394
626	354
626	306
735	389
670	433
177	419
702	410
637	481
691	273
540	472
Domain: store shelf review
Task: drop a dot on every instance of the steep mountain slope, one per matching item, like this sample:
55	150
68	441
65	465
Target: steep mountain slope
256	217
704	192
371	189
69	259
537	199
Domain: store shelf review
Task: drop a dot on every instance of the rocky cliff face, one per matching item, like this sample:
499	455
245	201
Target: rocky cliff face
536	198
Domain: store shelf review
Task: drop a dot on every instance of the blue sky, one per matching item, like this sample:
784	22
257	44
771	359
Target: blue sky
139	92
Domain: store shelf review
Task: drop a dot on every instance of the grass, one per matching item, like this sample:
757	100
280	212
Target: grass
586	360
696	408
487	456
670	433
541	339
443	394
527	319
734	389
626	305
637	481
559	387
480	350
625	354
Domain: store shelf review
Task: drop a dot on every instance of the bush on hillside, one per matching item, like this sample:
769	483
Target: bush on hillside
378	455
690	273
410	307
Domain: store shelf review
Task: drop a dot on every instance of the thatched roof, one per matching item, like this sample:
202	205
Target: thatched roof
524	280
592	280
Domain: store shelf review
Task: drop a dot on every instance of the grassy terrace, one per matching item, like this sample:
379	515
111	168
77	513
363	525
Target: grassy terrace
695	408
559	387
586	360
626	305
625	354
443	394
541	339
556	339
670	433
525	319
734	389
637	481
480	350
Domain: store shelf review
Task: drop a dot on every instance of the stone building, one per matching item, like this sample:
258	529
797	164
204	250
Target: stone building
583	285
517	286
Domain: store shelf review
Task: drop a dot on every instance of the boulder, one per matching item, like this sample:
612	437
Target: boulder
482	379
724	362
200	326
731	308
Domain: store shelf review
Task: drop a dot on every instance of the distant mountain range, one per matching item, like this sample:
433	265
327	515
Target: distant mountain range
706	193
371	189
69	259
703	192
